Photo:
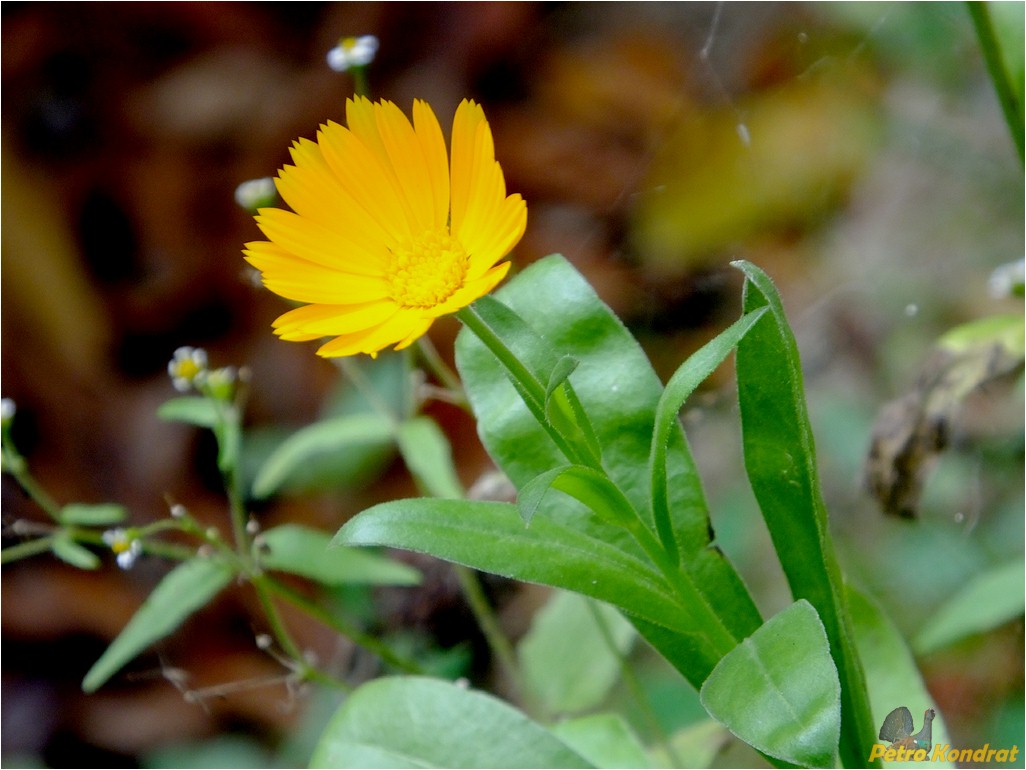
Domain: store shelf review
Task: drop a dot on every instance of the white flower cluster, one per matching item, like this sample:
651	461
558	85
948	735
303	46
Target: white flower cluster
353	52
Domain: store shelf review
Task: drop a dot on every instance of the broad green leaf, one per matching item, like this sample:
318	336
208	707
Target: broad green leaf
780	460
492	537
194	410
778	690
99	515
308	552
428	456
67	550
694	746
336	434
891	673
605	740
421	722
988	601
618	389
573	654
181	592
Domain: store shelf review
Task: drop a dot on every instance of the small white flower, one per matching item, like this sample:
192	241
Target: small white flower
219	383
7	409
255	194
353	52
125	547
1007	279
187	364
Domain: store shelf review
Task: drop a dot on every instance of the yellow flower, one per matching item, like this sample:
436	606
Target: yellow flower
388	232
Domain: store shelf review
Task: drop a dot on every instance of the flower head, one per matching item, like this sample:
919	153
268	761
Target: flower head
186	366
388	232
353	52
254	194
125	546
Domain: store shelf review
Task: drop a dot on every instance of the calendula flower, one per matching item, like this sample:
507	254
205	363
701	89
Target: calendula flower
352	52
388	231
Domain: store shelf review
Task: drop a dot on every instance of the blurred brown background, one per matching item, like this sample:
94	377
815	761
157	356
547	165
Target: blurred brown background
856	152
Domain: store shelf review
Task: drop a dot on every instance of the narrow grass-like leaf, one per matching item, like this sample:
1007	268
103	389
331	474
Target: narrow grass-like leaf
181	592
425	723
194	410
689	375
780	460
67	550
308	552
986	602
428	456
572	656
778	690
98	515
336	434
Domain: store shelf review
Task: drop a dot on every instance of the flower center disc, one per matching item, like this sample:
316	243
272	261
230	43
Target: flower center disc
427	270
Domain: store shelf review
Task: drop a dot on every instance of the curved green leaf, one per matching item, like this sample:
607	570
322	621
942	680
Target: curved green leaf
582	483
336	434
181	592
421	722
67	550
308	552
606	740
778	690
780	460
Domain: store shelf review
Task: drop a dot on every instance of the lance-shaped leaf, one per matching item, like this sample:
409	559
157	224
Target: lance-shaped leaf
428	456
181	592
780	460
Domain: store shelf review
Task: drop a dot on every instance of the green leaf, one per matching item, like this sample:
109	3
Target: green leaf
420	722
491	537
988	601
778	690
428	455
98	515
605	740
695	745
194	410
891	672
585	484
565	413
67	550
780	460
573	654
181	592
337	434
689	375
617	388
308	552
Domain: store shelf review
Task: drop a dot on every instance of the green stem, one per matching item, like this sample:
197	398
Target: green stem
532	391
361	83
1011	102
17	466
357	637
26	549
445	375
489	624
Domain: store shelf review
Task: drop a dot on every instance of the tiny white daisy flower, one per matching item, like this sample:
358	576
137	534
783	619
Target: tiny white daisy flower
353	52
125	547
186	365
256	194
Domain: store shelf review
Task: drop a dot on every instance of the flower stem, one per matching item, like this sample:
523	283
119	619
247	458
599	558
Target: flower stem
489	624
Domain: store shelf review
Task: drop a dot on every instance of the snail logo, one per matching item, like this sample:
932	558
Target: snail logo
898	726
